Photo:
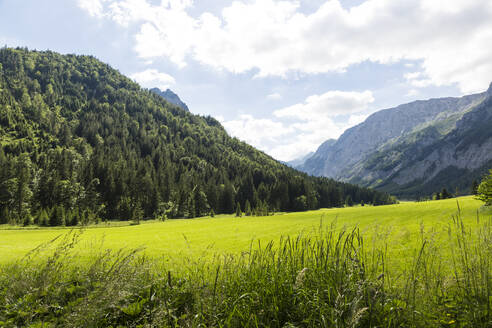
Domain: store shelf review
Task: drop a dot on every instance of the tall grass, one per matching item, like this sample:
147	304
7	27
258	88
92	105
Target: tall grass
327	279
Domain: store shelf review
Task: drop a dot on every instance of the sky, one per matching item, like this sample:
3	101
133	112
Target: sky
284	76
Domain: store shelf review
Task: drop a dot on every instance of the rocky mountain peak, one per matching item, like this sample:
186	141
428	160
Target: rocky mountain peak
413	147
170	96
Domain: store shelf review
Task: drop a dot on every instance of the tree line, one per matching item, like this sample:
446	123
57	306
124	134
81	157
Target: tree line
81	142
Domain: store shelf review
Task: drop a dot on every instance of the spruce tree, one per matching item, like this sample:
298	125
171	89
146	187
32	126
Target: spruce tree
4	215
474	187
247	208
57	216
239	213
43	219
28	220
445	194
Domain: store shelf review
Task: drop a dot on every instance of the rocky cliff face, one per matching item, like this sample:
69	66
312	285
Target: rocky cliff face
170	96
299	161
407	150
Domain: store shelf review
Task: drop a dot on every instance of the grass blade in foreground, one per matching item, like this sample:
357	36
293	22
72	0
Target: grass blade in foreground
326	279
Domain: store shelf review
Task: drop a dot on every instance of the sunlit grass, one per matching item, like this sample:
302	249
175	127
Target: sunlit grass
401	227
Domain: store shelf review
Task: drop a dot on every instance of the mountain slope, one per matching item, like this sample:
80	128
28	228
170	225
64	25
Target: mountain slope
413	149
170	96
299	161
79	141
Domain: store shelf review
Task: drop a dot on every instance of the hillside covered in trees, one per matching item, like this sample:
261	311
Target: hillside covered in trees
80	141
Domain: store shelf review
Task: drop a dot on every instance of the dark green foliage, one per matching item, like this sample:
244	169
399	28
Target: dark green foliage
239	213
4	215
28	220
57	217
77	134
300	203
261	209
247	208
445	194
42	218
484	192
474	187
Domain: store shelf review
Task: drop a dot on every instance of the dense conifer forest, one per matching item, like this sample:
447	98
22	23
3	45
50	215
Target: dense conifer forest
81	142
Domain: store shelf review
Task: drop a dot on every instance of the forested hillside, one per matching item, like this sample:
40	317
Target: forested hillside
80	141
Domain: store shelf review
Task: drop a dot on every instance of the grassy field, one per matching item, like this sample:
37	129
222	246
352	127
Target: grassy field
423	264
400	226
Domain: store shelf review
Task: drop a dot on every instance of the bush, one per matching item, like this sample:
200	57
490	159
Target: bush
484	192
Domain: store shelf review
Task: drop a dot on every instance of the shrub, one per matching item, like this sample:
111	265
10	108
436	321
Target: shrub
484	192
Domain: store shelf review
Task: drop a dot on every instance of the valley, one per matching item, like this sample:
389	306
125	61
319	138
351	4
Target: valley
401	224
119	207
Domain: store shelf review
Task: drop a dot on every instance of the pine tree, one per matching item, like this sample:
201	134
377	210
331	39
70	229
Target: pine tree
57	216
445	194
202	207
28	220
474	187
43	219
348	201
75	218
22	190
247	208
239	213
4	215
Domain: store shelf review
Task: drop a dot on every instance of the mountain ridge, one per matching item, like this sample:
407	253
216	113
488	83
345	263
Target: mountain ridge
171	97
379	152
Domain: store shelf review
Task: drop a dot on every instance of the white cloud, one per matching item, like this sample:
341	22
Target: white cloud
453	43
412	93
301	128
274	96
93	7
329	104
357	119
293	150
257	132
152	78
418	80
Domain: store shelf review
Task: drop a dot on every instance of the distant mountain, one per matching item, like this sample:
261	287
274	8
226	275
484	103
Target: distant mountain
414	149
170	96
299	161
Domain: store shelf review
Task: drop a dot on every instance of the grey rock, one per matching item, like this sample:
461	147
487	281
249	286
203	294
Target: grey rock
170	96
411	144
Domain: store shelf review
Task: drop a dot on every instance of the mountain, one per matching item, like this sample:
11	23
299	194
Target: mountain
80	141
413	149
299	161
170	96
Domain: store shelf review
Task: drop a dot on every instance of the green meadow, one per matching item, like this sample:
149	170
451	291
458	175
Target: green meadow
425	264
401	227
